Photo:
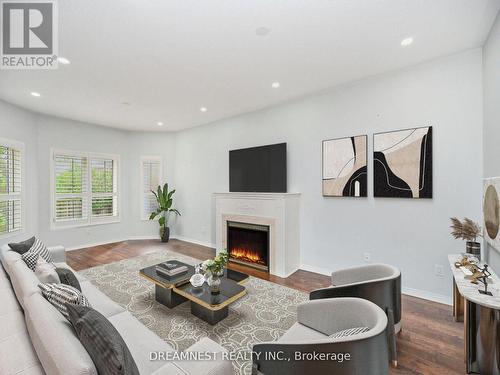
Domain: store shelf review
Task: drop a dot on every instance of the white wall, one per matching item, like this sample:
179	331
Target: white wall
65	134
17	124
491	85
147	144
40	133
411	234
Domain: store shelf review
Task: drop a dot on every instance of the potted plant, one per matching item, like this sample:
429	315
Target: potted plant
469	231
215	269
164	200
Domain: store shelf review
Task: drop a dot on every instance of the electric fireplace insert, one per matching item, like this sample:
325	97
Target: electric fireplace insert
248	244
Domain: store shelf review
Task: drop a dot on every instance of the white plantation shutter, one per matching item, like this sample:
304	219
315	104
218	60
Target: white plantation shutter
10	187
151	178
85	189
71	188
104	188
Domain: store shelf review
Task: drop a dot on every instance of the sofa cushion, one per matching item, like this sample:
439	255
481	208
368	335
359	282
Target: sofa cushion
22	247
9	257
100	301
66	276
18	356
218	366
140	341
24	281
300	333
37	250
11	323
60	295
8	301
4	279
104	344
54	339
46	272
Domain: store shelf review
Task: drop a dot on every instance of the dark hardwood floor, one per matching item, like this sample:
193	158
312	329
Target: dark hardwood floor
431	342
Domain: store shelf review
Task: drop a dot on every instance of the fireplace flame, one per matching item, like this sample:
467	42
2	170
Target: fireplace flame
247	255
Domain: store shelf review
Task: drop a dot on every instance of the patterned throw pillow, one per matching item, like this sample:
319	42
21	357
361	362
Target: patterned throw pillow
102	341
59	295
37	250
349	332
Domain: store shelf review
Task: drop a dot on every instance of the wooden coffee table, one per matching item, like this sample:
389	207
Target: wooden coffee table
211	308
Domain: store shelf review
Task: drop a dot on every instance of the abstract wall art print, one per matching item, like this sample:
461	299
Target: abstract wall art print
402	163
345	167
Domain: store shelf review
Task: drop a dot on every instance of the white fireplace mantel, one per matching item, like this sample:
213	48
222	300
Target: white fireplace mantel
280	211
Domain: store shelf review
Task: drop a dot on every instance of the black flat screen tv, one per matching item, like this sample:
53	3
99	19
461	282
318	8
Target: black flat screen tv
258	169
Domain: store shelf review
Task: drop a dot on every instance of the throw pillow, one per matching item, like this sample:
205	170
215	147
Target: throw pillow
38	249
59	295
349	332
67	277
46	272
102	341
22	247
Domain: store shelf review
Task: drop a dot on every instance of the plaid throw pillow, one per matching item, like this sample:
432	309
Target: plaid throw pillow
349	332
37	250
60	294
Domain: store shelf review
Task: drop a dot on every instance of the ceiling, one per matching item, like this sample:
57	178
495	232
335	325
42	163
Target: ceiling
137	62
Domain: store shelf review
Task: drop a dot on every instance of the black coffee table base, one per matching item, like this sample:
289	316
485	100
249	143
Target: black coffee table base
210	316
168	297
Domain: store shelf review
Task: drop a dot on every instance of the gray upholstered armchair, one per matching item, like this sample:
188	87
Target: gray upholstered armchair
378	283
310	338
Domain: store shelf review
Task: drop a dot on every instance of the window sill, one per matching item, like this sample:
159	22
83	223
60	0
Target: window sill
70	225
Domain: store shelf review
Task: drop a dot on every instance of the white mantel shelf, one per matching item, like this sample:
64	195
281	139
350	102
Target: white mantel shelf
257	195
279	211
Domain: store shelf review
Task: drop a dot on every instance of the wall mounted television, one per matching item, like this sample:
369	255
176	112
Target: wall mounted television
258	169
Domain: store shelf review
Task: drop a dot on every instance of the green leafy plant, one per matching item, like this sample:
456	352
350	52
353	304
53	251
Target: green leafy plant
216	265
164	200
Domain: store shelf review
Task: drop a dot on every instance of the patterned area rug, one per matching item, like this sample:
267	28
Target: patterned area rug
264	314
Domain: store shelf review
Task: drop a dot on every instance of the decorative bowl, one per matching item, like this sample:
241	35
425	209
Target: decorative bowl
197	280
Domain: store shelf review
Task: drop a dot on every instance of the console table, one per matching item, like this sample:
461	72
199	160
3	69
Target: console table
481	316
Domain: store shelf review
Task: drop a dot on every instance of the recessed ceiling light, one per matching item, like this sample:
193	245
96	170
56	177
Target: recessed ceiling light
406	42
35	94
203	109
63	60
159	123
262	31
275	85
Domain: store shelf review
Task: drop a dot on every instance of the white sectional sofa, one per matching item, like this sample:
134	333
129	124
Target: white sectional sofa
35	338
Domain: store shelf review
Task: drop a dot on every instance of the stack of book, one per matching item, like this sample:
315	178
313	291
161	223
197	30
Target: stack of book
170	270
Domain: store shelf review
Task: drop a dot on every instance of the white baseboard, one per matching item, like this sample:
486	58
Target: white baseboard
150	237
92	244
197	242
440	298
321	271
135	238
430	296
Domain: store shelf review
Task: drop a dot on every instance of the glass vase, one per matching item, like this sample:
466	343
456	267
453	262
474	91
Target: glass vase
213	282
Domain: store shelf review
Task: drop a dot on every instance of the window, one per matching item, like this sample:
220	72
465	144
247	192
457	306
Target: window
11	186
151	178
85	188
